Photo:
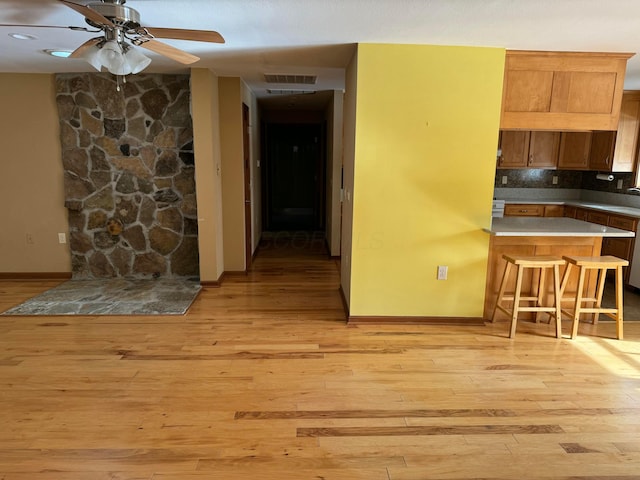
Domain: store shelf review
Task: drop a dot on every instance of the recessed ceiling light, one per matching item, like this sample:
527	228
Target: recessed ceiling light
23	36
58	53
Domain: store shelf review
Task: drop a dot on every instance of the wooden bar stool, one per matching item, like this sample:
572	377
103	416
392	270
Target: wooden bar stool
601	265
521	263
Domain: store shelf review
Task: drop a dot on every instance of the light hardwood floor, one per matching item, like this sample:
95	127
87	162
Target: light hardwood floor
262	379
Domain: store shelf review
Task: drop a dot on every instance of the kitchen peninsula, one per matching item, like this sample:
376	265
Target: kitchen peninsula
540	236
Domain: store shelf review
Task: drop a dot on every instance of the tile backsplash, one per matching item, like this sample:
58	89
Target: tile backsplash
533	185
566	179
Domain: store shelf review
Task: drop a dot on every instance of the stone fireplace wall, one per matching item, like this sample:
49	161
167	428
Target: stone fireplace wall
129	175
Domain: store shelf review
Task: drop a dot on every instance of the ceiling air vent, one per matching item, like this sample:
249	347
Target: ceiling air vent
290	78
276	91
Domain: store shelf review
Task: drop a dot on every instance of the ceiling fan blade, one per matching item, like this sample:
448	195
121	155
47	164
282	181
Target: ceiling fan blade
31	26
77	53
89	13
181	34
169	51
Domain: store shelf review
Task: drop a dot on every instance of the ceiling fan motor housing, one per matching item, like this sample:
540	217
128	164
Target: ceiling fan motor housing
125	17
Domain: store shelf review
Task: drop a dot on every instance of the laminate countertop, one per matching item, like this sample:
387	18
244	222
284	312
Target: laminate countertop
551	227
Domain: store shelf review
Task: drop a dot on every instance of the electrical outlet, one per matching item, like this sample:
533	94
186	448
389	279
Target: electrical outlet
442	272
619	185
29	239
504	180
554	180
62	238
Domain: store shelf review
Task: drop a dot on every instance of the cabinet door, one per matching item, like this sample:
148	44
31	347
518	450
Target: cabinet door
562	90
618	247
598	217
570	211
543	149
523	210
601	152
554	210
514	145
582	214
574	150
624	223
627	138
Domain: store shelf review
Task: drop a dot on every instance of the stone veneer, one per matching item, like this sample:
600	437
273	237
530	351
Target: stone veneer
128	175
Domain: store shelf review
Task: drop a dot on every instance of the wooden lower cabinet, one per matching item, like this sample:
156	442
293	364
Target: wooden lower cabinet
616	246
600	218
554	210
533	210
499	245
523	210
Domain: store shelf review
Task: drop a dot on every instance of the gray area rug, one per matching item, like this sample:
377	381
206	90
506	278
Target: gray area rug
113	297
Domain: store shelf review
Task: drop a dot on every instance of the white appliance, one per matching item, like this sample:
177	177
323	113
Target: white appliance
497	211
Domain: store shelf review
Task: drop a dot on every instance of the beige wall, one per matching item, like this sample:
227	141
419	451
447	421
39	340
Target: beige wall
206	144
348	167
230	97
31	183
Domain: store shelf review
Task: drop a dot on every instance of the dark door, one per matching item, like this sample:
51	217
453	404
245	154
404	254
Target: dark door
294	190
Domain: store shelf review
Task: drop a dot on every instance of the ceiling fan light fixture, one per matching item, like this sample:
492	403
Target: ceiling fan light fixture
91	56
137	60
111	56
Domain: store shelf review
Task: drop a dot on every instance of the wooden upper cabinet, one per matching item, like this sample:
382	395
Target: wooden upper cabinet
543	149
601	152
524	149
562	90
626	146
514	149
574	151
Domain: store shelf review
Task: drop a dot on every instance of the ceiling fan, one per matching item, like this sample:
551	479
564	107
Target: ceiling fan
122	32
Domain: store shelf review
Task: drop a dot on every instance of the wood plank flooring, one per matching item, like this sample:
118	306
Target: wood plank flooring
263	379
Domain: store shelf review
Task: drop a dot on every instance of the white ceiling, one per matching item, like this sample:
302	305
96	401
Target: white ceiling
318	36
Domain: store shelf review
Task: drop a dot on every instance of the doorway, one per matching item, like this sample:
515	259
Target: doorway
246	154
294	177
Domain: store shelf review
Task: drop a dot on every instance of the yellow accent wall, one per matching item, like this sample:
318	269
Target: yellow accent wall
426	131
31	182
206	144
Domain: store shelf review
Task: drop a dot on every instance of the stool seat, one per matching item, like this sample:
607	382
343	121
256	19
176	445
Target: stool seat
601	264
522	262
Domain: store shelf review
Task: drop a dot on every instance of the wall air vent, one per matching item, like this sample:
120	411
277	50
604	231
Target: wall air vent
276	91
290	78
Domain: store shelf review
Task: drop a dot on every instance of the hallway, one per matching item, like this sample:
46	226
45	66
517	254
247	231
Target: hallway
263	379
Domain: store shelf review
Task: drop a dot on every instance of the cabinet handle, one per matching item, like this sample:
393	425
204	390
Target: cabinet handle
606	162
